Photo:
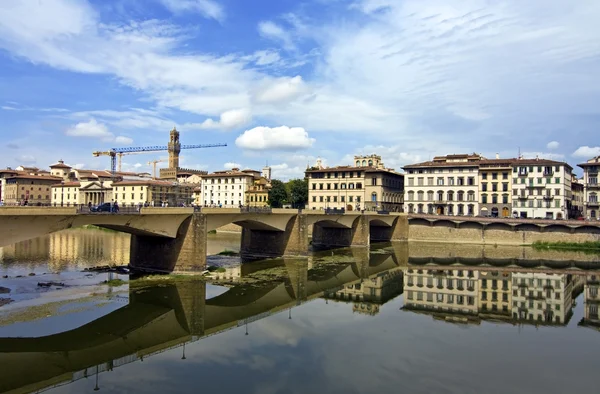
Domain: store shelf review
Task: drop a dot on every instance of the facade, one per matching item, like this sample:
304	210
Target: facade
367	185
447	185
151	192
495	293
591	301
257	195
542	298
541	188
591	192
227	189
25	189
4	174
495	187
577	198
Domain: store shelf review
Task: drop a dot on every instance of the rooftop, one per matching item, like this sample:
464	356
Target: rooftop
60	164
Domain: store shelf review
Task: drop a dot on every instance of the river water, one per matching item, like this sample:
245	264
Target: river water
410	318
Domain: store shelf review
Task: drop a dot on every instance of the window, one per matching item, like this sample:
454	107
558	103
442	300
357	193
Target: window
484	187
471	181
494	187
494	199
484	175
450	181
411	182
484	199
420	181
440	181
373	181
460	181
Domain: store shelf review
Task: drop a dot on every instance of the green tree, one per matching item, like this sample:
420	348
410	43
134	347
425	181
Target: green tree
298	192
277	194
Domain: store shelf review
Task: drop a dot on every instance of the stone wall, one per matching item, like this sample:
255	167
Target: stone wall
498	233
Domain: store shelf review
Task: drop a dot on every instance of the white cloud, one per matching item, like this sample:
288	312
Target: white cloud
553	145
276	138
91	129
273	31
227	120
8	108
281	90
263	58
138	165
207	8
587	152
285	172
123	140
231	165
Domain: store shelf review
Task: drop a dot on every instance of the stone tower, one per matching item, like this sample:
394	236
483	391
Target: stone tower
174	149
266	172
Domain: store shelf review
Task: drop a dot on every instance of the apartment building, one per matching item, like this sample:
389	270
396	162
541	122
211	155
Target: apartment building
495	187
541	188
542	298
495	293
591	301
228	189
258	194
591	188
26	189
367	185
577	197
153	192
446	185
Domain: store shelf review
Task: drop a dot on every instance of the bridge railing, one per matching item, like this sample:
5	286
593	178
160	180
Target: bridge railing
115	210
335	211
248	209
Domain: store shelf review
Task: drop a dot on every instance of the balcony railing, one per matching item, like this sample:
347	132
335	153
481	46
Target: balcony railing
548	198
256	209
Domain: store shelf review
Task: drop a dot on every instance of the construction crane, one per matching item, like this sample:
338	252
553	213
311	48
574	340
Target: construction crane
153	163
119	152
119	156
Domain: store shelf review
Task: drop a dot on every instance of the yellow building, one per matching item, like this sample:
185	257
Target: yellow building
367	185
495	190
257	195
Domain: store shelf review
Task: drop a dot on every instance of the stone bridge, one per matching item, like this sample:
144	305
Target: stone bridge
163	317
174	239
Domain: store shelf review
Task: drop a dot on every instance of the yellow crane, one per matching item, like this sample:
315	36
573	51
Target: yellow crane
153	163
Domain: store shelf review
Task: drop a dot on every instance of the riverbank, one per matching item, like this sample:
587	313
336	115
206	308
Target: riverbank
586	247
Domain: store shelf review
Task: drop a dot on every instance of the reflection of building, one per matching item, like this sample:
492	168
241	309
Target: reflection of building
369	294
591	186
542	298
591	300
495	292
452	291
227	274
367	185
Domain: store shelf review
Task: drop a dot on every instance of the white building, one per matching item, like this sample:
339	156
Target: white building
591	188
227	189
541	188
447	185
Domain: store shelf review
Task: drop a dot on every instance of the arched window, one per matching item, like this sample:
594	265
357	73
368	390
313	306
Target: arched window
430	196
411	208
420	195
411	196
370	163
460	195
358	163
593	197
440	195
364	163
420	208
450	196
351	186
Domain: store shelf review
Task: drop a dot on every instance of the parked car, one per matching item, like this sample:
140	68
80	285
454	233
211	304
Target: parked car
106	207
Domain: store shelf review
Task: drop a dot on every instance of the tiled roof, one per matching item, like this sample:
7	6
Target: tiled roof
67	184
37	177
489	162
594	161
60	165
218	174
144	182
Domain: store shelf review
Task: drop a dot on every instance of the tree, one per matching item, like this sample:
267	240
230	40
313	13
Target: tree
298	192
277	194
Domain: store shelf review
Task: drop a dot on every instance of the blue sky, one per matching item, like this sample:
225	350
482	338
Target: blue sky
289	81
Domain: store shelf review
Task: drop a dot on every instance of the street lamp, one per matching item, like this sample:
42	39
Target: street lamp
62	192
96	388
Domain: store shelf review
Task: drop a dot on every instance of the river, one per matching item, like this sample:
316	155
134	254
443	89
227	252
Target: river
414	318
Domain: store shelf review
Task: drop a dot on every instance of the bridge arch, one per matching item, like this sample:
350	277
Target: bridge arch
444	223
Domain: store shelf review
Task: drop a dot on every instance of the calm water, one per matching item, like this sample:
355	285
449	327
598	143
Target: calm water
412	318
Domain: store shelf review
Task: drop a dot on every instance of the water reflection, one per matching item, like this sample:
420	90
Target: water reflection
505	287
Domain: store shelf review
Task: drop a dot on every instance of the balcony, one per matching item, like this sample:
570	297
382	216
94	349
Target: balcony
592	203
523	197
535	185
548	173
523	173
548	198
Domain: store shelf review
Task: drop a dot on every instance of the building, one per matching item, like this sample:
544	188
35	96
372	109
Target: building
495	187
542	298
446	185
228	188
257	195
4	174
541	188
591	187
29	189
151	192
577	198
174	172
367	185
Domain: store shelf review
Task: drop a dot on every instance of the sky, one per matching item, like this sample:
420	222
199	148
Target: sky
286	82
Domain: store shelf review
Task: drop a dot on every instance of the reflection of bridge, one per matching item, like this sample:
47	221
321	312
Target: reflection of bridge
174	239
160	318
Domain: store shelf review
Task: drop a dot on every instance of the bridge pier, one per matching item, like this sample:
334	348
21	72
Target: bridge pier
185	253
266	244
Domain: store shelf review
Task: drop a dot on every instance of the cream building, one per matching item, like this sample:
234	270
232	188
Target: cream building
591	300
541	188
447	185
542	298
152	192
367	185
591	188
453	291
227	189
